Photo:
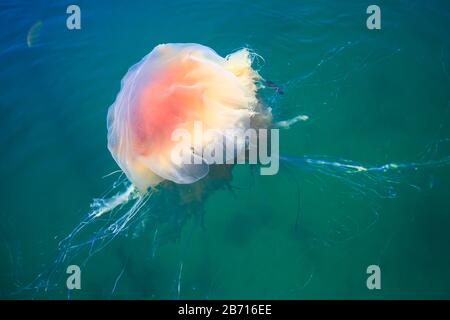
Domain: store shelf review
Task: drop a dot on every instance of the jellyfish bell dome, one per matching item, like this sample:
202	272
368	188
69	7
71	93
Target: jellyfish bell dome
171	88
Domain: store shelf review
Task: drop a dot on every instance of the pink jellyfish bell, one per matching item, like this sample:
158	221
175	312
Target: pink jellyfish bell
172	87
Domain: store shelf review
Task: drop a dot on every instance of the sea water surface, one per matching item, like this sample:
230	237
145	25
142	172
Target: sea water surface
373	96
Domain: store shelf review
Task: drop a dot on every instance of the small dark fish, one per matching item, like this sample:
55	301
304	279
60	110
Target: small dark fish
274	87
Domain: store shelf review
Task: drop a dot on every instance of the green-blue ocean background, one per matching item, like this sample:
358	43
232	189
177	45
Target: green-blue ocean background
374	96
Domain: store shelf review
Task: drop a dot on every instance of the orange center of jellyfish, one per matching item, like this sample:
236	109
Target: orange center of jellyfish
170	99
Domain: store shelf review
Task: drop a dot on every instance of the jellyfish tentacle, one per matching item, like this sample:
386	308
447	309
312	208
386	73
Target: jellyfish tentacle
113	220
380	180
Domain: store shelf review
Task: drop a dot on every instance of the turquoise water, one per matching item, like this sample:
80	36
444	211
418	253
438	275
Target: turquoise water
373	96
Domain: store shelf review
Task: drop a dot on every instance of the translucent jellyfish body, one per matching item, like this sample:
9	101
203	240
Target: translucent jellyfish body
173	87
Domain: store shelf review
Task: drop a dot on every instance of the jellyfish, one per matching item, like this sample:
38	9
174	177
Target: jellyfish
170	89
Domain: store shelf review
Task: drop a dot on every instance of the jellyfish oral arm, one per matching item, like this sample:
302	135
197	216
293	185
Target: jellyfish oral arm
102	206
286	124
